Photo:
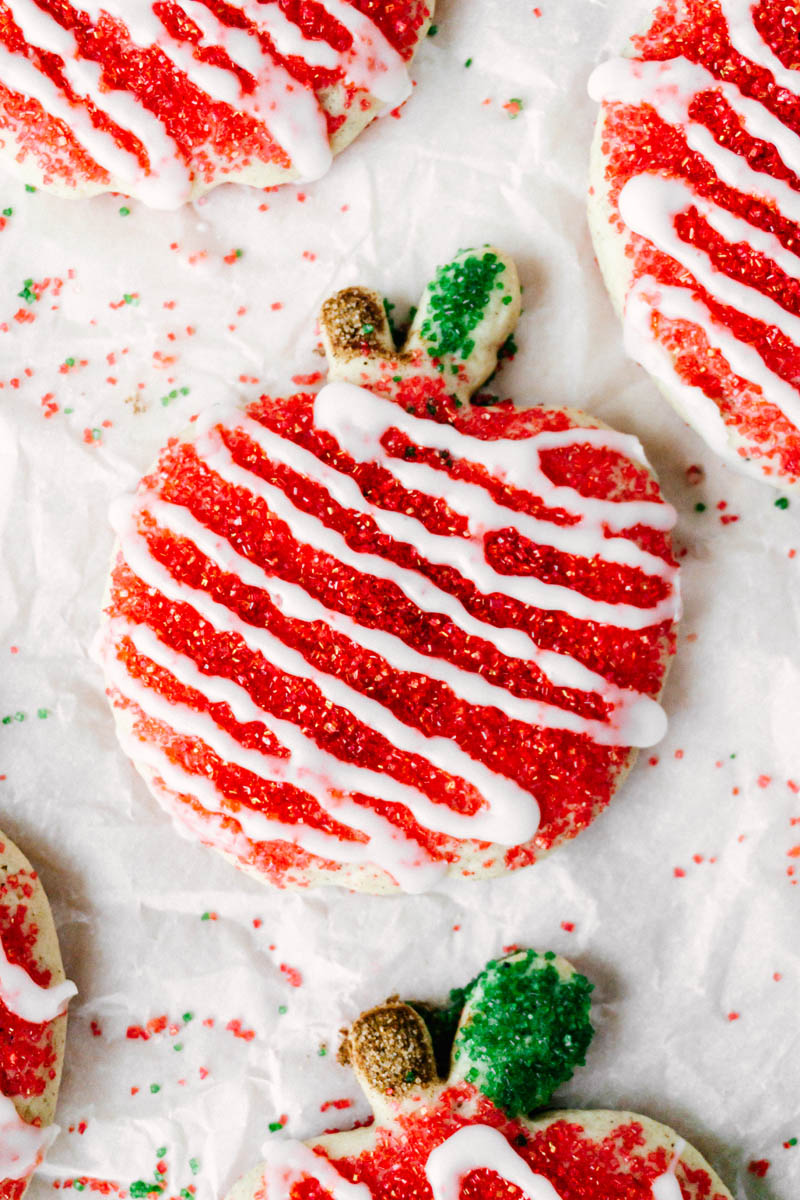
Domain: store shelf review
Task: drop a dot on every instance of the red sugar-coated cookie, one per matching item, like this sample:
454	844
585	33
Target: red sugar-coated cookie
375	635
165	100
33	1021
453	1139
695	213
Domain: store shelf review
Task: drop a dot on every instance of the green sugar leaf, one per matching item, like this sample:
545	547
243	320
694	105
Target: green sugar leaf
525	1030
457	300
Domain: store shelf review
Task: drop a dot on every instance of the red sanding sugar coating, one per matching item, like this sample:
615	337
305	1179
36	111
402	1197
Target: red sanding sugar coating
27	1058
208	133
570	774
637	140
579	1167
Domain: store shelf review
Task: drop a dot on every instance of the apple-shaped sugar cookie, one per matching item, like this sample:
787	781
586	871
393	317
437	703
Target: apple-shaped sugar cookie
522	1026
695	214
375	634
164	101
33	1022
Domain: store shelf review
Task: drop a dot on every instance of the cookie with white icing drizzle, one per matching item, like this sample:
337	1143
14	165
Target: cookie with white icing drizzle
508	1040
165	101
33	1001
375	634
695	214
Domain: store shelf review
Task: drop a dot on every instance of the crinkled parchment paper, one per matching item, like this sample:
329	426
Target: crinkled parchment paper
680	902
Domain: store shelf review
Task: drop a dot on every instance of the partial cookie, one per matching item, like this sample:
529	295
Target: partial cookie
522	1026
375	635
695	213
165	101
33	1003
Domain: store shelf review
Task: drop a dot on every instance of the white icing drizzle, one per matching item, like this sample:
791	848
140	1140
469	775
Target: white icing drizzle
670	86
169	177
649	205
510	809
560	668
745	38
508	814
470	1148
646	297
310	767
678	304
666	1186
480	1147
383	844
22	1146
635	717
29	1000
467	556
287	1162
289	110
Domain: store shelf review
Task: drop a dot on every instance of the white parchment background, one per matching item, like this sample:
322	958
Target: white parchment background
672	955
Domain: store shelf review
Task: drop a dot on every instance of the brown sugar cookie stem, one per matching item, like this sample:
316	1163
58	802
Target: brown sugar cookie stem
390	1050
354	325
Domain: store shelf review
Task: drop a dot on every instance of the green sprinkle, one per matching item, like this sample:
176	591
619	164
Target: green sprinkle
79	1187
274	1126
509	348
70	362
28	294
7	212
700	507
184	391
322	1051
124	211
389	308
194	1165
187	1017
792	1142
206	916
508	299
7	720
69	410
432	32
185	1194
238	253
162	1150
19	716
468	63
782	502
130	299
42	713
141	1188
282	1009
155	1087
397	378
409	1076
367	328
29	187
178	1046
457	300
